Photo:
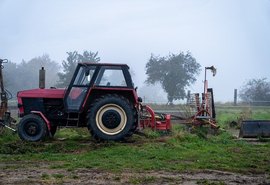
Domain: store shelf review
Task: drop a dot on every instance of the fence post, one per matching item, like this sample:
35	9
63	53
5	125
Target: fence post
235	97
188	97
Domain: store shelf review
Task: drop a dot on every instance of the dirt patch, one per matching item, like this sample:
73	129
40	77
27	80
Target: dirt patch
41	173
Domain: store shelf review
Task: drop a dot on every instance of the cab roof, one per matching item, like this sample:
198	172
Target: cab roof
102	64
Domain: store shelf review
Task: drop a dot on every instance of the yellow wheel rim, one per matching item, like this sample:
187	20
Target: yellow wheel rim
111	119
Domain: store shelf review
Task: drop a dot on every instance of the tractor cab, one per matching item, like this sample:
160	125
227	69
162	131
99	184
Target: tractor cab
92	78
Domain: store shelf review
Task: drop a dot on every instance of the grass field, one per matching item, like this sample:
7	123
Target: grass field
179	152
225	115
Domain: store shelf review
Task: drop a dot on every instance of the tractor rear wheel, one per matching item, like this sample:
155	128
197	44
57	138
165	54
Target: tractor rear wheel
111	117
32	128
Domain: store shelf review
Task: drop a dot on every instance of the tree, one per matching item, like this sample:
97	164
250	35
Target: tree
70	64
175	72
26	74
255	90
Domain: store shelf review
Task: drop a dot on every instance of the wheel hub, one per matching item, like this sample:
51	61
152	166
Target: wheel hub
32	129
111	119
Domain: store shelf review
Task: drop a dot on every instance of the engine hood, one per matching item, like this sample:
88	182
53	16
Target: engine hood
42	93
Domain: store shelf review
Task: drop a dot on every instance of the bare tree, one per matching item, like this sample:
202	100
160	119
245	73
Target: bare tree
255	90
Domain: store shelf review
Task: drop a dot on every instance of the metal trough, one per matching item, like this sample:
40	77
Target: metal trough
255	128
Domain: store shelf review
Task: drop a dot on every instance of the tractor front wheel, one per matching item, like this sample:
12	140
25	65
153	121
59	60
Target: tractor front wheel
111	117
32	128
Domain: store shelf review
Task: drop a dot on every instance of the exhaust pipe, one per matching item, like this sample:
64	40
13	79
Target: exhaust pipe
42	78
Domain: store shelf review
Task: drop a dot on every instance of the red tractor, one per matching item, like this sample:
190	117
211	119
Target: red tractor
100	97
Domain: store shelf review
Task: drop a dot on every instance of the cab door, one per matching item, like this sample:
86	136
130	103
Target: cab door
79	87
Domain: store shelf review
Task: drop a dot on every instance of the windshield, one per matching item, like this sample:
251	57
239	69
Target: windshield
111	76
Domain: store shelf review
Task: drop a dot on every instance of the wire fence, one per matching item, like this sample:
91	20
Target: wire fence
163	106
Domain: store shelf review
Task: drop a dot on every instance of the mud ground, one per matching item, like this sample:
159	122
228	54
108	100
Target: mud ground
14	173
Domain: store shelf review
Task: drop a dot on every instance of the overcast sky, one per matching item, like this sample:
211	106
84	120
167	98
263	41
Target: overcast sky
233	35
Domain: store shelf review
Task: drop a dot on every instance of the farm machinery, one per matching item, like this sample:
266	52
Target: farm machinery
5	117
100	97
205	113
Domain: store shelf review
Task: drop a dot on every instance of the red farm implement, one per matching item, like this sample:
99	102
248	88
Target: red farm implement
156	121
202	110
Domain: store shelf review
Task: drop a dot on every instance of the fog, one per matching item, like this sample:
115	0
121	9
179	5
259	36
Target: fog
234	36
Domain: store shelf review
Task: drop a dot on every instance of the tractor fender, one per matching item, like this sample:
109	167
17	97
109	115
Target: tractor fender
44	118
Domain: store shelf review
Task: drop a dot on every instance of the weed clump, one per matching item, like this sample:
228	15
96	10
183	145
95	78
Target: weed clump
19	147
245	114
151	134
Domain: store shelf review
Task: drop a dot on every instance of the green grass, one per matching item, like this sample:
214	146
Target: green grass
180	151
225	115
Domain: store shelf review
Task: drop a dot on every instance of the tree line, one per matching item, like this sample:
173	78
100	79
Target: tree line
175	73
25	75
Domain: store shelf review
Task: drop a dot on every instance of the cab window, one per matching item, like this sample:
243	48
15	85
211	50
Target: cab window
79	87
84	75
111	76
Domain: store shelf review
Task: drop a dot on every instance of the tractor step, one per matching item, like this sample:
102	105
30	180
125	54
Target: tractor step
255	128
72	120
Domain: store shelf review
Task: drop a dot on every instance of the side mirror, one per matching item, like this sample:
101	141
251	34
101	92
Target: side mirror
140	99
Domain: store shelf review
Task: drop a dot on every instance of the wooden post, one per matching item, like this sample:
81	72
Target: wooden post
188	97
235	97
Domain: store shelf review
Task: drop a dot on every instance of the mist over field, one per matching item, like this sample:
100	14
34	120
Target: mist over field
231	35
